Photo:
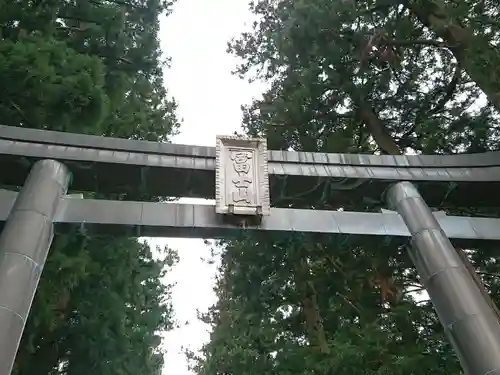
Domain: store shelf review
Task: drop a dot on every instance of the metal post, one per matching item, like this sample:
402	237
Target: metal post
24	245
469	322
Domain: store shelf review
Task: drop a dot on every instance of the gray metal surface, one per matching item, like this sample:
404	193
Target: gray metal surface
24	244
469	322
317	165
200	221
124	166
144	147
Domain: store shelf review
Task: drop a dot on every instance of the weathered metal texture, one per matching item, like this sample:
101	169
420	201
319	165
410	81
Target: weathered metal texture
241	177
24	245
200	221
469	322
113	165
13	133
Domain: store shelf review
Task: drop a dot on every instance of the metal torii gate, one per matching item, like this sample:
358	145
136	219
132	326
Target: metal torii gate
245	174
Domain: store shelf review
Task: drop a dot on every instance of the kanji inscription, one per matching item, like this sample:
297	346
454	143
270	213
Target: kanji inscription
242	186
243	182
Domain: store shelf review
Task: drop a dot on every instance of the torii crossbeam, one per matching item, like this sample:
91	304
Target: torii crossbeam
246	181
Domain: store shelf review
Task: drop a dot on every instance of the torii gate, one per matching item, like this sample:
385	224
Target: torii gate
244	178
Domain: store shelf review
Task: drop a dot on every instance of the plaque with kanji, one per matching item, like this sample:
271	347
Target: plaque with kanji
242	185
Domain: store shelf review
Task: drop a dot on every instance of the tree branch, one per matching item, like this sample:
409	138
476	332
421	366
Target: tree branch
21	113
448	92
489	274
377	129
416	42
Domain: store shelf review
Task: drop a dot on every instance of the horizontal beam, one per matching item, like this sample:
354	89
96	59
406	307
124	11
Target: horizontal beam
13	133
200	221
139	168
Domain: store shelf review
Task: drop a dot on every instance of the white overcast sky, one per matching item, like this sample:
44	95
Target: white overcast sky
195	36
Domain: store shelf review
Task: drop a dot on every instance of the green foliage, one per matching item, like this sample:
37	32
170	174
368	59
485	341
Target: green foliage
100	307
259	326
98	62
91	67
346	74
50	86
355	77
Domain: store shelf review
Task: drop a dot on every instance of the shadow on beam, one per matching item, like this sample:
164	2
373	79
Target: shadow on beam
139	168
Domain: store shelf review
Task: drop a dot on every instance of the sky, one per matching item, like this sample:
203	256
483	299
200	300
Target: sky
195	37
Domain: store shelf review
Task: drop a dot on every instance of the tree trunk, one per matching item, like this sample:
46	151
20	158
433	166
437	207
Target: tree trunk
474	53
312	316
477	280
377	129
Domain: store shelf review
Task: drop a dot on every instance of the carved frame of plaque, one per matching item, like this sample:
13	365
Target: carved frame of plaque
241	176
